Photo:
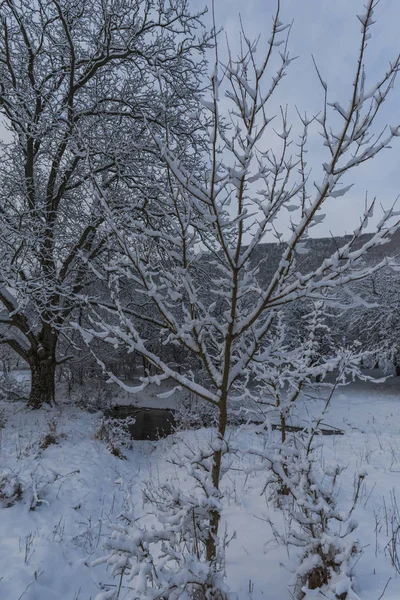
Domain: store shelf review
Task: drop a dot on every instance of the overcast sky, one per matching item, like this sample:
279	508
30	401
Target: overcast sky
330	30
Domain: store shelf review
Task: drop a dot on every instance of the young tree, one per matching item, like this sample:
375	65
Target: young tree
76	80
202	273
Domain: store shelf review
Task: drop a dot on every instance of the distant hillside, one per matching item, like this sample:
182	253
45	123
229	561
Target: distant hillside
268	255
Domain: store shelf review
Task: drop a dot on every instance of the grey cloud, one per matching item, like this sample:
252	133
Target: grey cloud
330	31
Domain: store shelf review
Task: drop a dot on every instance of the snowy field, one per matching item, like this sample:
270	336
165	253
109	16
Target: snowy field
74	489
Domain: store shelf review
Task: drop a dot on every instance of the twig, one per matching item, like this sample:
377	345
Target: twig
384	589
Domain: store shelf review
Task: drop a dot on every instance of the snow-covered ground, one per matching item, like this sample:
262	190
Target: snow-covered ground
76	488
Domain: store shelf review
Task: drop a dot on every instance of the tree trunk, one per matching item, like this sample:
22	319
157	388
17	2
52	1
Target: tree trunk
211	545
397	367
43	368
43	382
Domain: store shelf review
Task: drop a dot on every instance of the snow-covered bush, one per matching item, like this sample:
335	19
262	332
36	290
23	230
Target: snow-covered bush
298	481
29	486
37	489
10	489
317	527
51	437
115	433
11	390
169	559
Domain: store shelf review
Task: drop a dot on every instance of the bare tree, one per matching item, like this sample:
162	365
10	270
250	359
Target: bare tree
203	272
374	321
76	81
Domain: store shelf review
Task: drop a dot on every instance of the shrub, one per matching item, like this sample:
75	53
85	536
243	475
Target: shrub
115	433
10	489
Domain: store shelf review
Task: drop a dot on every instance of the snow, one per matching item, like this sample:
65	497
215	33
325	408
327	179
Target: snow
167	395
47	553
